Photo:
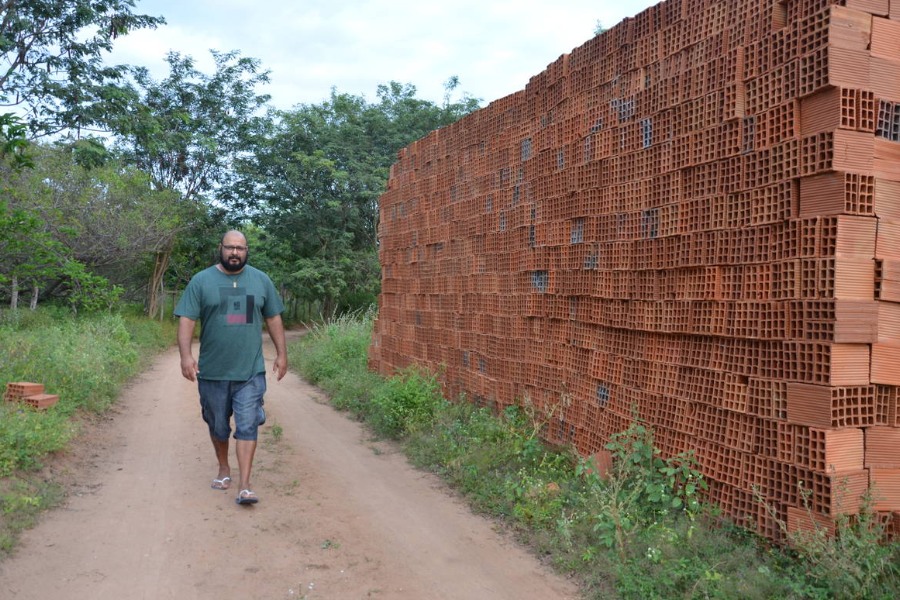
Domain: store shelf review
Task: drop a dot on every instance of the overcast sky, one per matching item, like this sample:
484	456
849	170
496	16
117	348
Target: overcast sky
310	46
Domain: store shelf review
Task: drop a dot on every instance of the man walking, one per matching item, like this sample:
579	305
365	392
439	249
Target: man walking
231	299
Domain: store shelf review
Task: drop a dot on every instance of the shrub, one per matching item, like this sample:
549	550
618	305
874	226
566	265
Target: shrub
84	360
27	435
643	487
334	356
404	402
852	562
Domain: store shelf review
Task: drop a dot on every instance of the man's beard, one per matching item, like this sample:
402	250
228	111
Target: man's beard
232	267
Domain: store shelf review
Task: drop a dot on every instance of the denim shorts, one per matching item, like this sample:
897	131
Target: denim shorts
219	400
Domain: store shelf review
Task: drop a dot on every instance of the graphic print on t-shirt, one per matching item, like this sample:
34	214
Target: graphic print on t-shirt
237	305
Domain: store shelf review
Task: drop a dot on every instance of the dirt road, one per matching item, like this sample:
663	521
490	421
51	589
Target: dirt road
340	516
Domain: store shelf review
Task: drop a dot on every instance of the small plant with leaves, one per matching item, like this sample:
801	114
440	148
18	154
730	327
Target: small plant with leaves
277	432
405	401
644	487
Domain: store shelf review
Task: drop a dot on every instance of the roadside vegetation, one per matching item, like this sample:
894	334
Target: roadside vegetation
116	187
89	222
640	530
85	360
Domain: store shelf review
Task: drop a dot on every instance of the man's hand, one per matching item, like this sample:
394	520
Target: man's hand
279	367
189	368
276	332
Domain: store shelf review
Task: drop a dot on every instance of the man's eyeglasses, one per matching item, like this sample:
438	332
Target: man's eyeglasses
235	248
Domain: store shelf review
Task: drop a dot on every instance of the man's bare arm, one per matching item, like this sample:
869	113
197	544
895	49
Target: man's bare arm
276	331
185	337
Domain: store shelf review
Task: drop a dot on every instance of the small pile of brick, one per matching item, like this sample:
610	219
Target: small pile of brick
29	393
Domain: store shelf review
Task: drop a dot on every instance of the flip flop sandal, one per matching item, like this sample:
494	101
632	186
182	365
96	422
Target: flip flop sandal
221	484
247	497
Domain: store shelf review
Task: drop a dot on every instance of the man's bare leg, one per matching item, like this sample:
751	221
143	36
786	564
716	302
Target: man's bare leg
245	451
221	448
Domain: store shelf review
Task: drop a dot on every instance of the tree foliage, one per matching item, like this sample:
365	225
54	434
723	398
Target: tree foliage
186	130
192	154
22	245
14	143
35	258
53	52
77	227
313	186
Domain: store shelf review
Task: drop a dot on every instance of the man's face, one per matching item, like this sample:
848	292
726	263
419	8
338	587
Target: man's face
233	253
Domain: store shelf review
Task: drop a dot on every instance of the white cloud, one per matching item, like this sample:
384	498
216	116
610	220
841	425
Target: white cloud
311	46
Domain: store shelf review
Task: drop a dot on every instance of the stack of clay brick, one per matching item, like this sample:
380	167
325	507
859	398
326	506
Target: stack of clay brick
692	219
29	393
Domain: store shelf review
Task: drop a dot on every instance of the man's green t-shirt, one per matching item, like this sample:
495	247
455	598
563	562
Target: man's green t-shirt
231	309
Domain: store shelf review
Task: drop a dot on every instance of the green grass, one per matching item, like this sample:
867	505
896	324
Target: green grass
641	532
85	361
22	499
334	356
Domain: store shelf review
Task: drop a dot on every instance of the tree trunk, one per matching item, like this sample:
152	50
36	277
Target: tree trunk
329	307
14	293
34	297
156	300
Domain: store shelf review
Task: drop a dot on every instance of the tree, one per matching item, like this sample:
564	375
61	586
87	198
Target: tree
75	223
106	213
53	50
31	255
187	130
19	241
16	227
313	186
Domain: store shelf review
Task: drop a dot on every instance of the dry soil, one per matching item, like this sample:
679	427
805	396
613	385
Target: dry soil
340	516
